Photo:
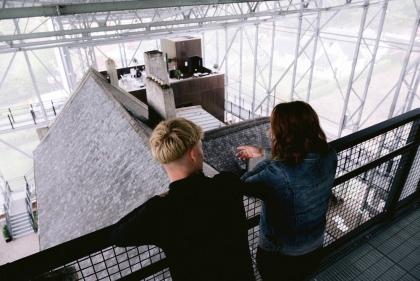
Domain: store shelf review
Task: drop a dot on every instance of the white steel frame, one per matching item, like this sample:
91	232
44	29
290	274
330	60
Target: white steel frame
79	29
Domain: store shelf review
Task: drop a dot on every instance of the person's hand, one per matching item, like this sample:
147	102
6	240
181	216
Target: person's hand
250	151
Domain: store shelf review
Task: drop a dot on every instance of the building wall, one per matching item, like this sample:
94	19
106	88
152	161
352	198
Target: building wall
92	167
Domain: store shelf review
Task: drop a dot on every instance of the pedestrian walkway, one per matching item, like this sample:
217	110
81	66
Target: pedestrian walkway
392	254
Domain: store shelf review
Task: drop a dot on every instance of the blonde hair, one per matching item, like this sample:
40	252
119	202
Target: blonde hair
172	138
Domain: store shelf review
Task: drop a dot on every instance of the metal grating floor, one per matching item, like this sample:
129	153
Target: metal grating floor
392	254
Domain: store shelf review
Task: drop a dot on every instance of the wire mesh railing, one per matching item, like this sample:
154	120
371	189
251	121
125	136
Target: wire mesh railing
378	173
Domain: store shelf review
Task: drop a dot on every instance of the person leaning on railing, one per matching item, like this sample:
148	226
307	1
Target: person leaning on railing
200	222
299	170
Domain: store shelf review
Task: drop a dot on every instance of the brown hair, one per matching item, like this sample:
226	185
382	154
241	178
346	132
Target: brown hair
296	131
172	138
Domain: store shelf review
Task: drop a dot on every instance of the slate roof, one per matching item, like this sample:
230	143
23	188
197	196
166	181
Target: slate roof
94	165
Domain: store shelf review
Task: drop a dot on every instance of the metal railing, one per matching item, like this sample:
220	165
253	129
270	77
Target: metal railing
377	177
28	204
21	116
7	207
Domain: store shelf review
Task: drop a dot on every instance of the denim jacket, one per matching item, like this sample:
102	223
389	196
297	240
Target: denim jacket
293	215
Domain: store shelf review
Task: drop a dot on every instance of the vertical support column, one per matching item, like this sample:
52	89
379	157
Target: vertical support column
241	38
404	70
217	49
121	56
318	20
270	77
93	55
413	89
353	69
203	39
226	67
292	90
372	65
70	75
126	63
255	71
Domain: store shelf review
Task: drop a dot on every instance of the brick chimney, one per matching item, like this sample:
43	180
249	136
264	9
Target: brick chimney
160	97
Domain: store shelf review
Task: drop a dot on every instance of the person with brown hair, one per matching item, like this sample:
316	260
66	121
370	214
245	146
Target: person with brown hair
299	171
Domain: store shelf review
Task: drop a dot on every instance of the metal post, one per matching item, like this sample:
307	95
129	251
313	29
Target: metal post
317	30
31	73
405	64
255	71
372	64
241	40
270	75
11	115
292	90
403	170
11	124
354	64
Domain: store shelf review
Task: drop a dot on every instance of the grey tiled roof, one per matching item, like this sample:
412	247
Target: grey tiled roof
94	165
219	145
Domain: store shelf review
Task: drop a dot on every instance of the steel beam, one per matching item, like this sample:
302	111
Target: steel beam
73	8
15	148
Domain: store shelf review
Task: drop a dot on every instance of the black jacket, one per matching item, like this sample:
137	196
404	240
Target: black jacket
200	225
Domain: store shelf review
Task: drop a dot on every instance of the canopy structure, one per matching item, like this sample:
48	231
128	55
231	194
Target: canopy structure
355	62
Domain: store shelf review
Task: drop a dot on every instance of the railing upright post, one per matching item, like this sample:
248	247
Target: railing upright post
11	115
33	115
404	166
29	207
11	124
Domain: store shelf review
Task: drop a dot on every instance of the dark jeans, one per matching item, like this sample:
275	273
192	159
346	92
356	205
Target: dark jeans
276	266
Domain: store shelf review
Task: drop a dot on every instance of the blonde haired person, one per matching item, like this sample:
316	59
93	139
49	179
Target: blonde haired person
200	222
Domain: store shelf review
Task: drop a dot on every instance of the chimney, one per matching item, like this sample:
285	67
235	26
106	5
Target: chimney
112	72
160	97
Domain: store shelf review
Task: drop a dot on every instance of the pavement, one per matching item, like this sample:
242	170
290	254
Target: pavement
18	248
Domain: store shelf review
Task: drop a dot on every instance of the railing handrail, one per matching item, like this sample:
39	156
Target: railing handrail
377	129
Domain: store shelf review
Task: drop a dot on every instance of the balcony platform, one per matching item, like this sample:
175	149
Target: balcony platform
392	254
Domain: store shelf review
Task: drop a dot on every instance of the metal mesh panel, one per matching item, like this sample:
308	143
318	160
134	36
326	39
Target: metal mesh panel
364	196
370	150
361	198
412	182
111	264
252	207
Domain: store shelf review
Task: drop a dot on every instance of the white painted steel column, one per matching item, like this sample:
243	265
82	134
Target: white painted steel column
292	90
404	71
317	30
255	71
372	65
354	64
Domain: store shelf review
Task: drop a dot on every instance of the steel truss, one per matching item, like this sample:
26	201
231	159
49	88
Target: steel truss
244	38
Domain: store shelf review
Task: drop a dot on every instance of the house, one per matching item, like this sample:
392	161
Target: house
94	164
